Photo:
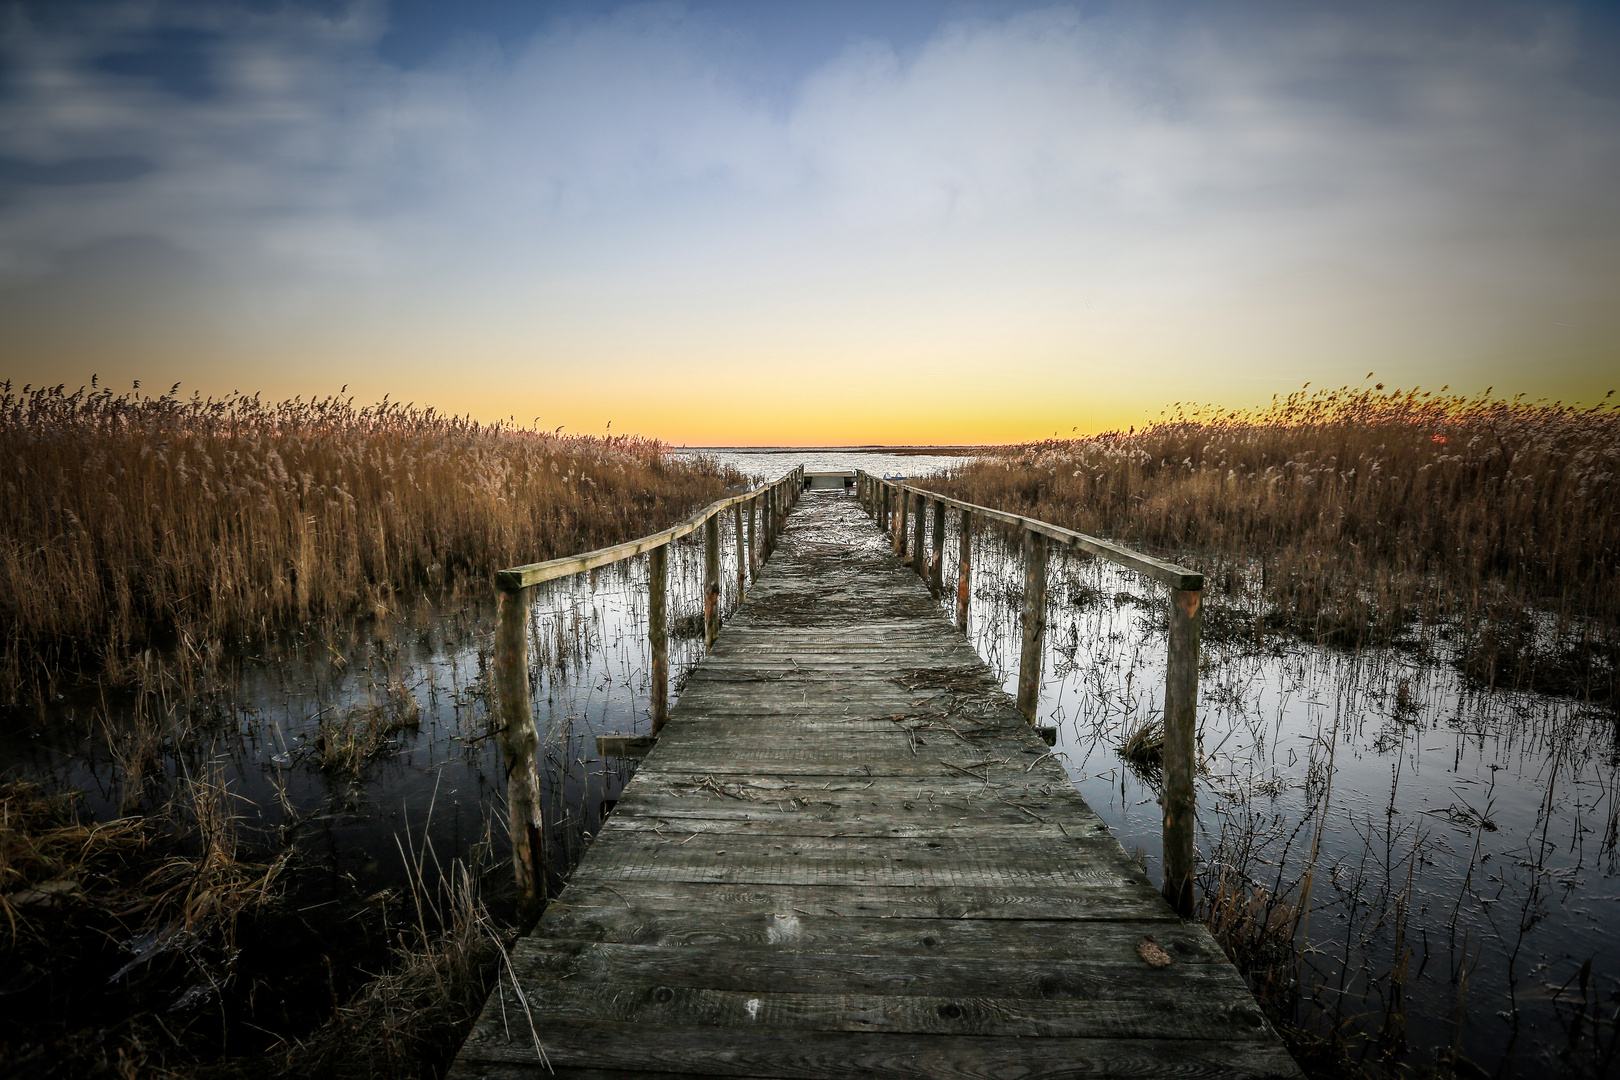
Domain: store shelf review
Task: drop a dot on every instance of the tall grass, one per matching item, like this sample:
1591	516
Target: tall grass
183	524
1367	517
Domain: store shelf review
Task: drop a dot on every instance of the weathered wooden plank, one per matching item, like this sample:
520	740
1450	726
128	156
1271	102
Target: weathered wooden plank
538	960
759	1051
1035	939
1095	900
1227	1014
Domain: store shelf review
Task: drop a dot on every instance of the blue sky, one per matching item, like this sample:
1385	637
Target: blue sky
876	222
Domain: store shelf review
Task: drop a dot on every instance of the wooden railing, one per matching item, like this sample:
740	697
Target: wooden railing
895	504
767	510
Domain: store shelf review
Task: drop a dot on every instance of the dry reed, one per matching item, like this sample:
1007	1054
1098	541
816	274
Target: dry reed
184	525
120	938
1367	517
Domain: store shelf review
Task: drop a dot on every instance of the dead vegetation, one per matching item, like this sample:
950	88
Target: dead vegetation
349	739
184	525
1358	517
120	937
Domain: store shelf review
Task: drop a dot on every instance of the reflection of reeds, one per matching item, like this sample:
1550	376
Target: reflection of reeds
183	524
346	741
1356	514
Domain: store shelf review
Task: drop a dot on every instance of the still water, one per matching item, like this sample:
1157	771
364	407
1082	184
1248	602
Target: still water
1464	841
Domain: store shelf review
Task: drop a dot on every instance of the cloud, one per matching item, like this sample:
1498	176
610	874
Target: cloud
1144	155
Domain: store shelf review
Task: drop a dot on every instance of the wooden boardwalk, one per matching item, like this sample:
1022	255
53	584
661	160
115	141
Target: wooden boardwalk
849	856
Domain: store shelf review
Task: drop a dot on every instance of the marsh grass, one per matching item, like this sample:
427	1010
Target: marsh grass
120	937
181	527
1366	517
1143	749
154	549
347	740
409	1021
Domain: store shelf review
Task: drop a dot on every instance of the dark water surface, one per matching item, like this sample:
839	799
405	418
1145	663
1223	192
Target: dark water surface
1465	840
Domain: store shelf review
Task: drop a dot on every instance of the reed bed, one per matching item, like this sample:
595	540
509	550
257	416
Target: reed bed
1362	517
185	526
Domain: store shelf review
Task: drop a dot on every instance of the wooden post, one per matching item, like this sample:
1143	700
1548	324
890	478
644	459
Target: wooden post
1034	624
519	743
964	570
901	499
753	552
742	552
936	568
658	632
1180	734
711	579
883	508
919	551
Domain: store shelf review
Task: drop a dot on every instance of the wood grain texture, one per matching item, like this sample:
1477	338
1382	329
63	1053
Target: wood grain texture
849	855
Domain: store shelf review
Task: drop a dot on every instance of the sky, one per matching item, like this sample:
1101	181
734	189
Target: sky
751	222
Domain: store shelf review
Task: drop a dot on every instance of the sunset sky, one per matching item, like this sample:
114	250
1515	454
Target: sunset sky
753	221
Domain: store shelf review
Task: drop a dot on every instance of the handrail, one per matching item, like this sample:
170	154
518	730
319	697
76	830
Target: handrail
521	577
1177	577
515	591
891	502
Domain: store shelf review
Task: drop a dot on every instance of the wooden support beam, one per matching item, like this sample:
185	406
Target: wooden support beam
936	566
658	632
753	551
1180	738
519	745
964	571
711	580
919	528
742	553
900	499
1033	619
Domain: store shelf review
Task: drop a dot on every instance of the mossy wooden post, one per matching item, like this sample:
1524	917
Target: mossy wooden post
519	743
901	499
1033	618
936	566
964	570
767	521
711	579
742	553
919	529
753	551
658	631
1180	736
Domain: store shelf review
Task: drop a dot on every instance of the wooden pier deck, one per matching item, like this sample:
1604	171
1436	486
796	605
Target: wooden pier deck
850	856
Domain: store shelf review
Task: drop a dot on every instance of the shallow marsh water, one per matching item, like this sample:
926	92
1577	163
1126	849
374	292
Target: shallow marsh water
1472	833
1466	893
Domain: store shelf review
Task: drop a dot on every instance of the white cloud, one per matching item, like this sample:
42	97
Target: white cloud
1401	142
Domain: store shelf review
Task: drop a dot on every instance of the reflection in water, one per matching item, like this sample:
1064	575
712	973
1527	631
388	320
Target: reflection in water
1463	896
1465	841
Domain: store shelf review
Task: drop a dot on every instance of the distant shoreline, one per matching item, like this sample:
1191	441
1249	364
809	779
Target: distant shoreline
942	451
